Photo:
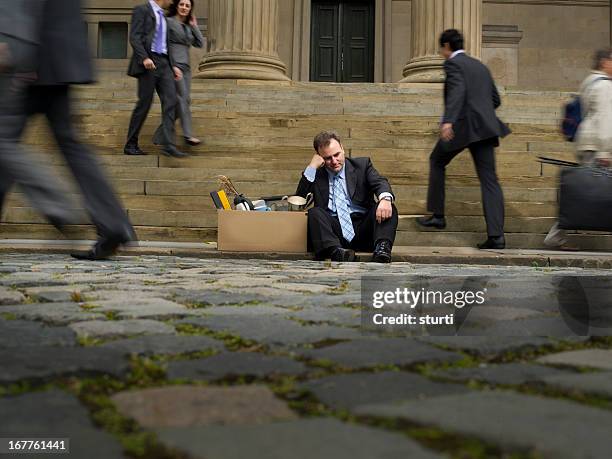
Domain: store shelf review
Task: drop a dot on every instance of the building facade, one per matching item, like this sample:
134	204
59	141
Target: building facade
535	44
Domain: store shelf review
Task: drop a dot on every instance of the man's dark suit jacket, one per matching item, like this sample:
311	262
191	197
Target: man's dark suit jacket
142	33
470	99
64	56
362	180
21	20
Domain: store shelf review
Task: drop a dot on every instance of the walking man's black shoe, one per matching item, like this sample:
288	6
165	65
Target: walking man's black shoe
382	252
105	247
432	222
133	150
171	150
497	242
340	254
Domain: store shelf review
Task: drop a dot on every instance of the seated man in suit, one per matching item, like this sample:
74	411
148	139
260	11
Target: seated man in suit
345	216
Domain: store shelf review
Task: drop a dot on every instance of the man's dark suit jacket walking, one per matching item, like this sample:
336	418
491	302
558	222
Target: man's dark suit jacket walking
363	183
160	79
470	99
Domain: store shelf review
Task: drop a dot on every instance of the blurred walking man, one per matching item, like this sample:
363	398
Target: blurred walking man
20	35
63	59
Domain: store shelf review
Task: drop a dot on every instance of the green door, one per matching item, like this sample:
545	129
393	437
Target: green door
342	41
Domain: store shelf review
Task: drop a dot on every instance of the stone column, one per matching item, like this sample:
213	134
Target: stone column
429	19
243	37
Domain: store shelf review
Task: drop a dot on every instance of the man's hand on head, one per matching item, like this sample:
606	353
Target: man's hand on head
384	210
317	161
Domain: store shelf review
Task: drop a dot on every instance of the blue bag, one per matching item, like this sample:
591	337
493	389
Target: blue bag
572	116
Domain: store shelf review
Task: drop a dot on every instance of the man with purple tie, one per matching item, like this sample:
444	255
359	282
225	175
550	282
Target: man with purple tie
152	65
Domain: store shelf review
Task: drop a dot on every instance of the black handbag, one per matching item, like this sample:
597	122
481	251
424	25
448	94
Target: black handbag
585	199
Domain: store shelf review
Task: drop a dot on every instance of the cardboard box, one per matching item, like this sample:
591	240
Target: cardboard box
240	231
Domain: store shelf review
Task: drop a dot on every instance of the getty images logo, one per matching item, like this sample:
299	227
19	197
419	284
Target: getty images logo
412	298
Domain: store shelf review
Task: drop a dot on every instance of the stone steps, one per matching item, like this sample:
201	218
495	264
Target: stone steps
206	217
599	241
407	207
260	134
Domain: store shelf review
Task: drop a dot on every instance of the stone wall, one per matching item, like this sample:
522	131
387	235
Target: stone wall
557	43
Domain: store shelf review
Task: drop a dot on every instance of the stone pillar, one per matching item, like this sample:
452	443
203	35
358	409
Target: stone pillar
429	19
243	38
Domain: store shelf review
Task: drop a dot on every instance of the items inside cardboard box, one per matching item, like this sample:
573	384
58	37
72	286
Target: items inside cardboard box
229	198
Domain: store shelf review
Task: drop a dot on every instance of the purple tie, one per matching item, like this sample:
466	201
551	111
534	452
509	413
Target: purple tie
158	44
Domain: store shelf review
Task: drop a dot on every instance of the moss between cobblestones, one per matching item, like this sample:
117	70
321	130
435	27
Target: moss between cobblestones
232	342
137	443
529	353
87	341
459	447
559	346
573	395
22	387
343	287
192	304
542	390
307	405
602	341
8	316
95	394
111	315
77	297
426	369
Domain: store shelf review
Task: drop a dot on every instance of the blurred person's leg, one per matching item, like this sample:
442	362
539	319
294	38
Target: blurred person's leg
183	110
184	103
165	85
436	191
16	162
483	154
101	202
146	89
5	186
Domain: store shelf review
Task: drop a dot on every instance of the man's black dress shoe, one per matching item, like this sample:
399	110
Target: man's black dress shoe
105	247
171	150
432	222
133	150
340	254
382	252
497	242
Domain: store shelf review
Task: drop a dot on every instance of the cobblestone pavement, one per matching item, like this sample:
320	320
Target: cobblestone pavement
163	357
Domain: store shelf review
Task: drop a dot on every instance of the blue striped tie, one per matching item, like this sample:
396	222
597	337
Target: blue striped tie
158	44
341	207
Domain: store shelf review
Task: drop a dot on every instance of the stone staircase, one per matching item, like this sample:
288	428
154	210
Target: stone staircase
260	135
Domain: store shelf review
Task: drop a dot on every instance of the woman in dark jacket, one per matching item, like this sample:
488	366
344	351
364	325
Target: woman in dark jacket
183	32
